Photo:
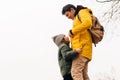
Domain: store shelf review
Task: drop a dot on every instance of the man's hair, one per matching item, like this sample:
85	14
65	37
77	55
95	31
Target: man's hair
67	8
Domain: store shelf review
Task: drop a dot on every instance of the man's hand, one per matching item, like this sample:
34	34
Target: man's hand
70	33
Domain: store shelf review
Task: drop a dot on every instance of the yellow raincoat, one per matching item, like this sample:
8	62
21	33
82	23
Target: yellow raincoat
81	37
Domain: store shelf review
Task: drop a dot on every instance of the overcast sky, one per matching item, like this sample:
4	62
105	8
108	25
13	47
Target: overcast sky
27	51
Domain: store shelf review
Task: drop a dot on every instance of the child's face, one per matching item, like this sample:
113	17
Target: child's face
66	39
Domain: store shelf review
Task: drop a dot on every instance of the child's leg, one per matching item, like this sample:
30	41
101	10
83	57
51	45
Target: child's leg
68	77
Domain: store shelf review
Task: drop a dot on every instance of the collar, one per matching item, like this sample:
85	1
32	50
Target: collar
79	7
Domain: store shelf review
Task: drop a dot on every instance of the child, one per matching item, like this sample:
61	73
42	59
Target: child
65	55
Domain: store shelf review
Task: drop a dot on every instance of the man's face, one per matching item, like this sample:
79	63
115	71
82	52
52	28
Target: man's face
70	14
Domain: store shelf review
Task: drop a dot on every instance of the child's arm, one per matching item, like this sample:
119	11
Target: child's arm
68	53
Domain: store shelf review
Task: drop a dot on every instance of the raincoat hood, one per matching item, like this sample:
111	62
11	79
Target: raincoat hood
79	7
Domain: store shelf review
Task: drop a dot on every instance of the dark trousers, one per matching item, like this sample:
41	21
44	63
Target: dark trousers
67	77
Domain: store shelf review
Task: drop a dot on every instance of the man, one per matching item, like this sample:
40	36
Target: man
80	38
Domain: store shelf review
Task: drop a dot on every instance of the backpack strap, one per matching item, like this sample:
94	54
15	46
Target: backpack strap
79	18
92	37
96	21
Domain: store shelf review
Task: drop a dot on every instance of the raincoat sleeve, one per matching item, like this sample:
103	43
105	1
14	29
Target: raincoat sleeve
85	21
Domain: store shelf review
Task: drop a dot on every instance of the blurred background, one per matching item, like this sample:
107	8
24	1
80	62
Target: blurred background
27	51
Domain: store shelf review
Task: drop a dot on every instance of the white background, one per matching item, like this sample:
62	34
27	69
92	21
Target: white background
27	51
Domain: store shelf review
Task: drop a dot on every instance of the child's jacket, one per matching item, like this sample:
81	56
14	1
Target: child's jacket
65	55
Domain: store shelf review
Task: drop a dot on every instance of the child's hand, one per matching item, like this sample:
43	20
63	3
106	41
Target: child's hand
79	50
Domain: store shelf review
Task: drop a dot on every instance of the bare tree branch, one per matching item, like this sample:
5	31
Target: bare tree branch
113	12
111	17
103	1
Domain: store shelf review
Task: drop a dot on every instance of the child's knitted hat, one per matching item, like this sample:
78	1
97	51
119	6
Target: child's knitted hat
58	39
